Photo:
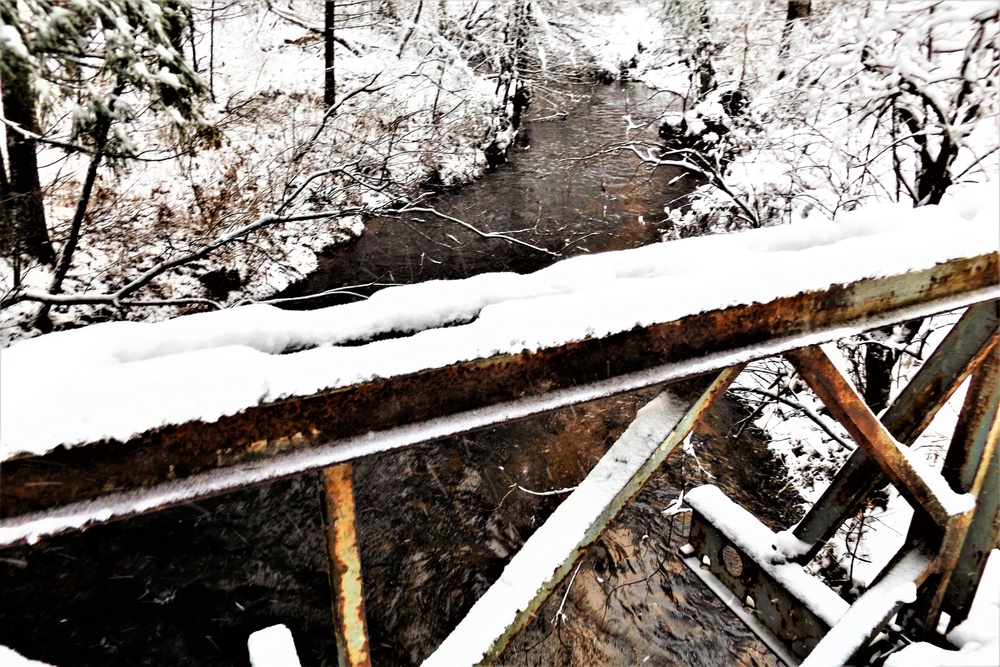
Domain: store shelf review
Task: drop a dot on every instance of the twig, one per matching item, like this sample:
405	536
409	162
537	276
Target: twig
346	289
559	612
806	410
561	115
476	230
554	492
117	298
367	88
291	17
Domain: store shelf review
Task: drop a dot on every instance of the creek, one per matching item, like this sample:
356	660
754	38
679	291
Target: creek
437	522
563	188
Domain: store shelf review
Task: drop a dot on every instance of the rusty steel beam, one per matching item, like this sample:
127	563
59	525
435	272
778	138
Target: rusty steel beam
972	465
72	488
344	566
848	408
962	350
780	619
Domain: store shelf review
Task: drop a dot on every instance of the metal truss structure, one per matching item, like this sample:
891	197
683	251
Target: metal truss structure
953	530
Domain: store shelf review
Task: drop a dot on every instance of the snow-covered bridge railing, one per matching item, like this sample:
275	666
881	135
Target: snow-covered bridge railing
115	420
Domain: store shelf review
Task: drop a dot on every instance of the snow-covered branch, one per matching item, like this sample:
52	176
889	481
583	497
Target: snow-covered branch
118	297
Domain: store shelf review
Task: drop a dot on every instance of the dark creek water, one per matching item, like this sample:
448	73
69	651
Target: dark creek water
438	522
547	195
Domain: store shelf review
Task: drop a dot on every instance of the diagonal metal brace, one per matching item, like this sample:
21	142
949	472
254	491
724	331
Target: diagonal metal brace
922	486
550	553
965	347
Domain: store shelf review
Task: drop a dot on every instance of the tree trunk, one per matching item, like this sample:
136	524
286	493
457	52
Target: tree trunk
8	237
797	11
101	130
880	361
24	190
330	80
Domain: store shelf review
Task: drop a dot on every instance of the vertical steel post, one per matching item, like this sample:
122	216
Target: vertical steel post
984	532
972	465
344	566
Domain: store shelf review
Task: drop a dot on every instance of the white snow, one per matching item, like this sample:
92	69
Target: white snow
977	638
759	543
267	81
11	40
533	567
870	611
119	379
11	658
273	647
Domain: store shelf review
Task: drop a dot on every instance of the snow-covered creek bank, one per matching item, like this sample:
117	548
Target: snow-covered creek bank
437	523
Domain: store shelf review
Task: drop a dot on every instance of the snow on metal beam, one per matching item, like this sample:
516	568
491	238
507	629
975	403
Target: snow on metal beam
869	614
172	464
114	381
758	543
549	554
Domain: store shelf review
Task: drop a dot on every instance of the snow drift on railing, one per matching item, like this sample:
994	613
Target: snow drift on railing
116	380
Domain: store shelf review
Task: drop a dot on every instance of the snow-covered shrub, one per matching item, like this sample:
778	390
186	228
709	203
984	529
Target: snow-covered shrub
870	102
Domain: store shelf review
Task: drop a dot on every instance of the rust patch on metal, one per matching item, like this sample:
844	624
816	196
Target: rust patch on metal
344	566
62	477
850	410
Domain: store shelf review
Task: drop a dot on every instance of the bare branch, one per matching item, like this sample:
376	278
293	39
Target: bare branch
806	410
367	88
476	230
118	299
302	22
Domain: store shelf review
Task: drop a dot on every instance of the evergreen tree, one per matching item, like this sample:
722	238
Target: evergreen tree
88	68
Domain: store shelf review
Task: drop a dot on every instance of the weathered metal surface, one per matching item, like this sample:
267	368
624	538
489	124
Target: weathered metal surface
969	468
746	614
972	465
344	566
788	620
176	463
644	446
960	352
984	532
850	410
977	430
